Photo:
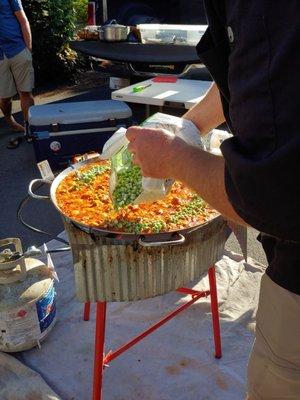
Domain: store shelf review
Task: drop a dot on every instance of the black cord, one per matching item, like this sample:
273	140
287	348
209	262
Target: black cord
33	228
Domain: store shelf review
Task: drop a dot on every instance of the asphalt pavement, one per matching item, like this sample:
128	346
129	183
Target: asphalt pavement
18	168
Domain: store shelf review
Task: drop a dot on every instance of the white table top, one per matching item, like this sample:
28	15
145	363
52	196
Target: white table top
184	92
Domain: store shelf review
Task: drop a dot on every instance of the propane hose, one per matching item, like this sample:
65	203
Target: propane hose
37	230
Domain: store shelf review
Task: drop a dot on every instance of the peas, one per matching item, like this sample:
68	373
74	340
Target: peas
138	226
128	187
87	177
191	209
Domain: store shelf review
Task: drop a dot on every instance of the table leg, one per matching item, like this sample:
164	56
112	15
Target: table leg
147	107
99	350
86	313
215	311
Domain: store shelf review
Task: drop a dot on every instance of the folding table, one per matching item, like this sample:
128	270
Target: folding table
182	93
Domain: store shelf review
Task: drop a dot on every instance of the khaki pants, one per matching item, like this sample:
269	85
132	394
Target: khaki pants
16	74
274	365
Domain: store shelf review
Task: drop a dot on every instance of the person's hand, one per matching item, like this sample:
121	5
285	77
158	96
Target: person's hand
154	150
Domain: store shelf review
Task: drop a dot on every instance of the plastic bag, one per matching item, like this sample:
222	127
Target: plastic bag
127	185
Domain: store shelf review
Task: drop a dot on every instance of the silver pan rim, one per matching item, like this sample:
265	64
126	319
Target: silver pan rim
101	231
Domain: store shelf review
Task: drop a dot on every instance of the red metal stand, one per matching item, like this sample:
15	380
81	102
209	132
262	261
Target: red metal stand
99	350
86	312
100	360
215	311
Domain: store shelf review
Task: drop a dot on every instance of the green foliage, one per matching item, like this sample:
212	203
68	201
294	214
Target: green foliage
81	11
53	24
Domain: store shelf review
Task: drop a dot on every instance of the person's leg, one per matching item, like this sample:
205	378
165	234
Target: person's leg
6	108
22	70
274	365
7	91
27	101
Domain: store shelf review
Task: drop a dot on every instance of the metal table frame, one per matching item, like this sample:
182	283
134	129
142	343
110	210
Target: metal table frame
101	359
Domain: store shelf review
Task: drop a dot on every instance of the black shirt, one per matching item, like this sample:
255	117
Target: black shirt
252	51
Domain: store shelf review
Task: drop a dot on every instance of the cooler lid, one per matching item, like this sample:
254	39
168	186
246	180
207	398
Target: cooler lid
78	112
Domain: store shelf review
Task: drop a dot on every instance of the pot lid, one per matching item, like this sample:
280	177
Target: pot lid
113	23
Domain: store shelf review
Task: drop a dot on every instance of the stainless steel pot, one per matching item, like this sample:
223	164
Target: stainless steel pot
113	32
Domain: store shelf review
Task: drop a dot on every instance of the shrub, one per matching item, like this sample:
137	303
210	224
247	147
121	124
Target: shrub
53	24
81	11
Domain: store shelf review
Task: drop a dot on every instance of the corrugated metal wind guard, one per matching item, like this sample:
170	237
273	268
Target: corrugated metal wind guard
108	270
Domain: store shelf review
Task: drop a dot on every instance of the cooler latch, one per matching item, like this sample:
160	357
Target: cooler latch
112	122
54	127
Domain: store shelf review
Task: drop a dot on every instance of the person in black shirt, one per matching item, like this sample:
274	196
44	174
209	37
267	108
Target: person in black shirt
251	49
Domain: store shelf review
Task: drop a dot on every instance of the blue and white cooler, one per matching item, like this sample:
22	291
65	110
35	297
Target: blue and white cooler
63	130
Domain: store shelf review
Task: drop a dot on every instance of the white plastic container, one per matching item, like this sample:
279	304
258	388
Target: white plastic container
116	83
188	35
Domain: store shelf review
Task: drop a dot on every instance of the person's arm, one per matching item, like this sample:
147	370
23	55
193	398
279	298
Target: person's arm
205	173
161	154
25	28
208	113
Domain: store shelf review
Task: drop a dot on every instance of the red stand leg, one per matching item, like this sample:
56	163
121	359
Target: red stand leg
100	359
99	350
86	313
215	311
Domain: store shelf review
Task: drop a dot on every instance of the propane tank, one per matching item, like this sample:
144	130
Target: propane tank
27	297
